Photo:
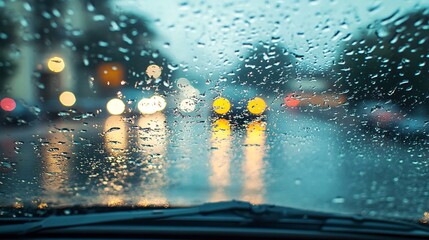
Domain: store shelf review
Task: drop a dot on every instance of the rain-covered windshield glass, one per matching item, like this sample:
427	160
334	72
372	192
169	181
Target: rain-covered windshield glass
315	104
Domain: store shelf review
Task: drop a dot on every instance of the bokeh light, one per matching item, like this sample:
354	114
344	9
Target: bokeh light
56	64
159	102
111	74
8	104
221	105
291	100
115	106
256	106
67	99
147	106
154	71
187	105
183	83
152	105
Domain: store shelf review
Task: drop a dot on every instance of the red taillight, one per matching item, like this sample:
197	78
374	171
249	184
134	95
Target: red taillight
291	100
8	104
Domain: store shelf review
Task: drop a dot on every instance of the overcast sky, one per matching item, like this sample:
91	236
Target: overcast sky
207	35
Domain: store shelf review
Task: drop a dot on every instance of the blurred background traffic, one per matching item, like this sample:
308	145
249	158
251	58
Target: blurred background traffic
69	58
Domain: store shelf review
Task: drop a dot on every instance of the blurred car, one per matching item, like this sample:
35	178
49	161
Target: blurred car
14	112
389	118
379	114
239	104
312	92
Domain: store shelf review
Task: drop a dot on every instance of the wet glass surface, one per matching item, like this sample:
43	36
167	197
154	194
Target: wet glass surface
320	105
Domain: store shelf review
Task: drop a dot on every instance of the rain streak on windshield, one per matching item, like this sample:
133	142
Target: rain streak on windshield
318	104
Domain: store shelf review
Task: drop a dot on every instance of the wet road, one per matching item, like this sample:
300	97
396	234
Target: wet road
295	158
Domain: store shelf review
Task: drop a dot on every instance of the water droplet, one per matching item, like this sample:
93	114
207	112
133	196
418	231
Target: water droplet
338	200
113	129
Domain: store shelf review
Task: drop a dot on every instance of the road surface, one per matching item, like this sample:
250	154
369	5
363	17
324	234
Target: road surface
295	158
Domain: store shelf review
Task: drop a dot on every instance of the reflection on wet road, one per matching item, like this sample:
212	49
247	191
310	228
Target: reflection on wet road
253	164
152	141
290	159
56	152
220	159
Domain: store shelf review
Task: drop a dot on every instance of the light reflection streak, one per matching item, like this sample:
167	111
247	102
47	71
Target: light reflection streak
7	152
152	142
115	136
114	201
56	151
111	192
220	159
425	218
253	165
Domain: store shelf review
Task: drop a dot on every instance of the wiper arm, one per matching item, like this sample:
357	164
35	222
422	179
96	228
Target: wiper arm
283	216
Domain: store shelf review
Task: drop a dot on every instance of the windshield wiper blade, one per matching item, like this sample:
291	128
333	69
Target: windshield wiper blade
53	222
247	213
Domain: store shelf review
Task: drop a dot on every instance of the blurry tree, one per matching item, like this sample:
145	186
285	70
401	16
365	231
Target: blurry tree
118	45
102	40
388	61
7	48
267	68
48	24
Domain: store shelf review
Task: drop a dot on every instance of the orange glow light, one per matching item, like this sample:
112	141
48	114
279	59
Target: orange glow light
111	74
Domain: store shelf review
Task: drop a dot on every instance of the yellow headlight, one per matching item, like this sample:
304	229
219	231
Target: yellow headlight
221	105
256	106
56	64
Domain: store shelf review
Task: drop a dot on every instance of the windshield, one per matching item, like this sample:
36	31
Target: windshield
318	104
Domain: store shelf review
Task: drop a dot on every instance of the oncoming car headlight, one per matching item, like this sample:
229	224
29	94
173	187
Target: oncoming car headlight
115	106
221	105
152	105
256	106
